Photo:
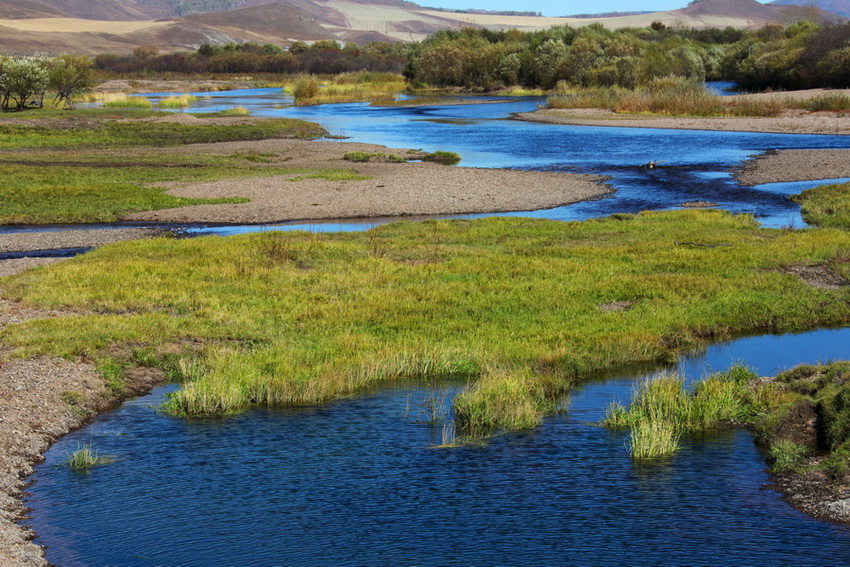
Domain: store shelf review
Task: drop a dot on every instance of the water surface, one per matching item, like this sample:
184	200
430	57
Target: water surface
359	482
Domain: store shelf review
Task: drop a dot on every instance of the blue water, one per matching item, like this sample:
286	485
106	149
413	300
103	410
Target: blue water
695	165
359	482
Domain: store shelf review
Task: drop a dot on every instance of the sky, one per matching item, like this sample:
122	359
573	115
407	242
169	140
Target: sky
562	7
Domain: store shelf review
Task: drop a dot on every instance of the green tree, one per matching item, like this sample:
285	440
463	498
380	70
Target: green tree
24	79
70	75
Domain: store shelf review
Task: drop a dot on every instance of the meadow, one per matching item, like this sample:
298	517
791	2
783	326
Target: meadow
520	308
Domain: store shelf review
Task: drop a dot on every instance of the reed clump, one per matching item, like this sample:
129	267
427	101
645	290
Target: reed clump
85	458
364	86
835	102
662	410
672	95
177	101
125	101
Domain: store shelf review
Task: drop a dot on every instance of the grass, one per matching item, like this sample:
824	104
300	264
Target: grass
75	133
126	101
801	417
662	410
826	206
88	167
300	318
445	158
672	96
836	102
363	157
364	86
85	458
177	101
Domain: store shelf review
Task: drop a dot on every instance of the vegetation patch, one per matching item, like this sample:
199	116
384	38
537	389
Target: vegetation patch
363	157
826	206
300	318
445	158
85	458
364	86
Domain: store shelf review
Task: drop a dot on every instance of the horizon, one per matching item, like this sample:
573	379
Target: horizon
552	8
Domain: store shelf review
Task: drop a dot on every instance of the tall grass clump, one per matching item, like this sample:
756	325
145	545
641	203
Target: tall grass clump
502	400
652	438
836	102
566	96
177	101
125	101
84	458
671	95
662	409
235	111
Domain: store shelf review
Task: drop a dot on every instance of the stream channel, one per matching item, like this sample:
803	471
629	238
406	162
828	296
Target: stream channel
360	482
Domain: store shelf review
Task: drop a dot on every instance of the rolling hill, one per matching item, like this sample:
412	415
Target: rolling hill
118	26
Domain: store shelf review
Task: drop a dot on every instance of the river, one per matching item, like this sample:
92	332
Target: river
360	482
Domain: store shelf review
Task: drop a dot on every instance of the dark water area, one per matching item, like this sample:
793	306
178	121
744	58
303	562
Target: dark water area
360	482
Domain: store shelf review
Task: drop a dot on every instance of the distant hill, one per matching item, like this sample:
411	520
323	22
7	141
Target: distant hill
117	26
838	7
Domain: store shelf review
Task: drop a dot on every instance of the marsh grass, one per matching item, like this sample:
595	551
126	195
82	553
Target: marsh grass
321	316
125	101
836	102
662	410
826	206
674	96
177	101
364	86
85	458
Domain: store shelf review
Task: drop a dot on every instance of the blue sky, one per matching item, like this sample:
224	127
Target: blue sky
562	7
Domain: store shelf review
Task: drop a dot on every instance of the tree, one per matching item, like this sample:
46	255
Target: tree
23	79
70	75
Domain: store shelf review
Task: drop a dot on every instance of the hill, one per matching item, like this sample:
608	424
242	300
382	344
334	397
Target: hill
838	7
117	26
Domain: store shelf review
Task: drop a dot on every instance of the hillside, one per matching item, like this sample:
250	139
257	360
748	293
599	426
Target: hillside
117	26
839	7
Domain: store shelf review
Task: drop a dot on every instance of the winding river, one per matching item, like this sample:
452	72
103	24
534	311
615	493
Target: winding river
360	482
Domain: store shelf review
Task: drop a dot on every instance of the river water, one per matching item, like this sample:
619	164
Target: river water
360	482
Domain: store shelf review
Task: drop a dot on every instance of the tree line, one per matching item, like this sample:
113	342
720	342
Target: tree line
320	57
800	55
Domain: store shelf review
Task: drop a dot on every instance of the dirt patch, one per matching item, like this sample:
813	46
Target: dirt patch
814	493
817	275
393	189
790	122
794	165
615	306
698	204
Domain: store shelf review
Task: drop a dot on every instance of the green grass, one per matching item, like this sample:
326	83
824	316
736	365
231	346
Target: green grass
106	133
85	458
88	167
512	304
445	158
826	206
177	101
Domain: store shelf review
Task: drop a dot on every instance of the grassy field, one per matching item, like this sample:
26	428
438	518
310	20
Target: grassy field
519	307
92	165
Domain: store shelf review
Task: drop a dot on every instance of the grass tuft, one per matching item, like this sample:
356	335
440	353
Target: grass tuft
85	458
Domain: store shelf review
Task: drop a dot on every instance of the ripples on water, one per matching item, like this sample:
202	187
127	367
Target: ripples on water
358	482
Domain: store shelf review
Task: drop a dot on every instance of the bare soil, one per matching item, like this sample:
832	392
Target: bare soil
794	165
393	189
